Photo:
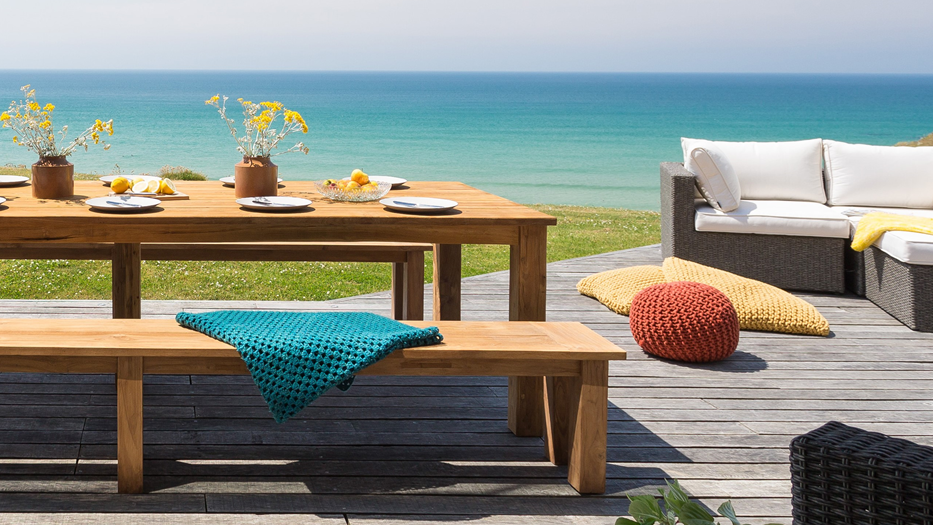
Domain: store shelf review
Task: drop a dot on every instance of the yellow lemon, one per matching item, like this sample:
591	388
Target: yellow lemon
140	187
166	187
137	180
119	185
359	177
352	186
153	186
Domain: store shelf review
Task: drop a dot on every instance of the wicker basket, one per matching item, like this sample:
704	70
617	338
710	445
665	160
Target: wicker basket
845	475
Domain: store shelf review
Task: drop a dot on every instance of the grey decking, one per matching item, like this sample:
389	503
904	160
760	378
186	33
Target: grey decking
394	450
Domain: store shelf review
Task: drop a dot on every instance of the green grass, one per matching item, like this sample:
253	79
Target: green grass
580	231
168	172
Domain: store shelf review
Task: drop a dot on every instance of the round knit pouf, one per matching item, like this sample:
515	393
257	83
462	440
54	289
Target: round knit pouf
684	321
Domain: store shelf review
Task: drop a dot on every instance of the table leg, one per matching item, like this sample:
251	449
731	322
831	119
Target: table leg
586	468
561	396
126	281
408	288
447	282
528	302
129	425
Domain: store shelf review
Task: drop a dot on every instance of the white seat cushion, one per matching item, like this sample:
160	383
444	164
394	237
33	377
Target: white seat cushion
862	175
805	219
791	171
908	247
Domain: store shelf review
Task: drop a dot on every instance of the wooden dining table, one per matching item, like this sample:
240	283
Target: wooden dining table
211	215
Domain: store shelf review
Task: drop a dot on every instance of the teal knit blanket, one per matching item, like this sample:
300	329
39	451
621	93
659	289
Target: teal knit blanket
295	357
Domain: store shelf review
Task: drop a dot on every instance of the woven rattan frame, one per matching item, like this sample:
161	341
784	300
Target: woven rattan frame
842	475
788	262
903	290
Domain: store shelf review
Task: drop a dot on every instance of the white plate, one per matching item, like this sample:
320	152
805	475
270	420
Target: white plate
231	181
107	179
418	204
394	181
122	203
12	180
2	200
273	203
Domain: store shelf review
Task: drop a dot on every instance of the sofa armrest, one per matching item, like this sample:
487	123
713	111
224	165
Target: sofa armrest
678	191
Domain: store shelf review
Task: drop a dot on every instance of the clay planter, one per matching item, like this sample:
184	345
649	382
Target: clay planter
53	178
256	177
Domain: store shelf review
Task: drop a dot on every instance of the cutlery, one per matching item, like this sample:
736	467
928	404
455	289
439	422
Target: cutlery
266	202
413	205
123	203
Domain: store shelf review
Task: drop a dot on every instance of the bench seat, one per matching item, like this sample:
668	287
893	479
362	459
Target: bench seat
572	358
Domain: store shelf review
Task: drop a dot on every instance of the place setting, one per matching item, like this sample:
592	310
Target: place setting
7	181
275	203
123	204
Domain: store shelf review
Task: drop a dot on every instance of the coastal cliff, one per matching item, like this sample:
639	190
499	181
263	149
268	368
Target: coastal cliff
925	141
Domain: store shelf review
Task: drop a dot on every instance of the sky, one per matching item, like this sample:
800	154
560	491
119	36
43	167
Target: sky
779	36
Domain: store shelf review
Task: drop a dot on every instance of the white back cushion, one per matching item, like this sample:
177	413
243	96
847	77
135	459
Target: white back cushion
791	171
715	177
889	176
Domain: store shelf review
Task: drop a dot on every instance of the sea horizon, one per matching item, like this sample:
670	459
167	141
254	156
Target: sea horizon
533	137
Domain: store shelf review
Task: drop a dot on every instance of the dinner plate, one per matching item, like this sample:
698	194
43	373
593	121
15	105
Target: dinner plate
107	179
231	181
273	203
12	180
394	181
418	204
122	203
2	200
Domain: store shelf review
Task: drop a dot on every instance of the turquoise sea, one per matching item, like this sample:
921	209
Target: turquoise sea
589	139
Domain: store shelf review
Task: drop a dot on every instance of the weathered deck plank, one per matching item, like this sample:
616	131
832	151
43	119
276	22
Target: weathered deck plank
400	450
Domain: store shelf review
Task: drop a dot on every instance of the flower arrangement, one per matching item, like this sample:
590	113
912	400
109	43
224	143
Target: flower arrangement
260	137
33	126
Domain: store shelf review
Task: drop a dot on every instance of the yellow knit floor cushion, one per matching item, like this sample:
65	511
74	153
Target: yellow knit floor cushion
616	288
759	306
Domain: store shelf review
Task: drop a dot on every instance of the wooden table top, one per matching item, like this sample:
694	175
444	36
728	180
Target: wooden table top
212	215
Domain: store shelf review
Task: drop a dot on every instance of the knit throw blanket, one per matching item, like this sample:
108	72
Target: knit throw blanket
874	225
295	357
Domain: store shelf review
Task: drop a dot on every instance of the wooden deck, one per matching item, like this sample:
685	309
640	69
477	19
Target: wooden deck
400	450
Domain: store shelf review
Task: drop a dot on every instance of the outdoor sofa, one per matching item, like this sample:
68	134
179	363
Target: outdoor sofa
793	208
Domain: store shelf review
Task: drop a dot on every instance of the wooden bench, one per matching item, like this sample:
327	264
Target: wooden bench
407	261
573	359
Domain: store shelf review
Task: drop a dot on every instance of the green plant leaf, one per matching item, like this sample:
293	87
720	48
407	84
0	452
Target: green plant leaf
726	510
675	497
644	508
693	514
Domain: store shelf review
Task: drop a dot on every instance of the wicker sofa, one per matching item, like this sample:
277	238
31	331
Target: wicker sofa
896	273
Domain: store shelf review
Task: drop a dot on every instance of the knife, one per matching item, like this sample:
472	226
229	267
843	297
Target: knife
414	205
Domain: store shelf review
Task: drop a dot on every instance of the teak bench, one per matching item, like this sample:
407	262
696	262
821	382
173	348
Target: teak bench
407	261
573	359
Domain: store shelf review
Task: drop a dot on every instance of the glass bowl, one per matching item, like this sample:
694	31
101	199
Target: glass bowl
355	195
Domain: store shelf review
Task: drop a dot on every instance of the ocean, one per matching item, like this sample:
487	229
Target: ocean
583	139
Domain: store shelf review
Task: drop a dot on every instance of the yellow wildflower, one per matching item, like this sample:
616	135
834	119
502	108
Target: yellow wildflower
15	139
110	128
304	128
34	106
45	124
4	116
212	100
49	107
96	137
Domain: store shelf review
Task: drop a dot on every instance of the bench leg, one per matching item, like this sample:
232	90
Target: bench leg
129	425
408	288
527	302
126	281
561	395
586	469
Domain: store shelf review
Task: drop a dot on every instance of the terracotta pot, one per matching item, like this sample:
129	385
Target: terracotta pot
53	178
256	177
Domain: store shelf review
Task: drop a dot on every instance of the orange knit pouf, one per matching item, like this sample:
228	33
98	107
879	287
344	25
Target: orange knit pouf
684	321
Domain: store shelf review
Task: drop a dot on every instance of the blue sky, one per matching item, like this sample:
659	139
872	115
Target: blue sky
832	36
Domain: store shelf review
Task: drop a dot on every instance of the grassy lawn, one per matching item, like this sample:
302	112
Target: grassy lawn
580	231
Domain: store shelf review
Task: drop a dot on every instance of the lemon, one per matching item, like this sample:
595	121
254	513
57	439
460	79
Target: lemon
137	180
140	187
119	185
166	187
359	177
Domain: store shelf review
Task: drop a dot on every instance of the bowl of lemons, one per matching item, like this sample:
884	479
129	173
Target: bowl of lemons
357	188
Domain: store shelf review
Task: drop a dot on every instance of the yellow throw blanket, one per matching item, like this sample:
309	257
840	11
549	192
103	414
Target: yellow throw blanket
874	225
759	306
